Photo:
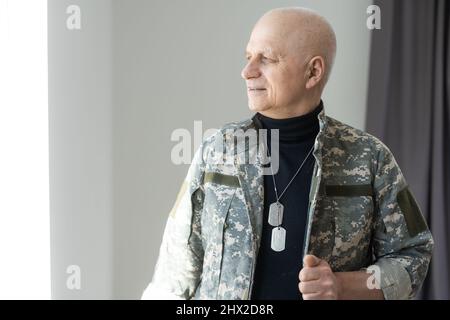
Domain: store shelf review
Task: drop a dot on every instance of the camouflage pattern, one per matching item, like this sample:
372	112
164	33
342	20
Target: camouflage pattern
356	217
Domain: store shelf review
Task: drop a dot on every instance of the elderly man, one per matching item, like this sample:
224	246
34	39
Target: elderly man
334	219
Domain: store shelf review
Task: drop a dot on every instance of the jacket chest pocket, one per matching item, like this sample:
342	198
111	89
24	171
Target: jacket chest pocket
219	193
351	207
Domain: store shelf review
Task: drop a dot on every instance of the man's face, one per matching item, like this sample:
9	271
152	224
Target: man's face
275	71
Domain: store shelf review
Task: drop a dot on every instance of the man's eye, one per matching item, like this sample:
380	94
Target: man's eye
263	58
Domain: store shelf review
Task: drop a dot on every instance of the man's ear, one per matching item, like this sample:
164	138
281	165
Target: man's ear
315	71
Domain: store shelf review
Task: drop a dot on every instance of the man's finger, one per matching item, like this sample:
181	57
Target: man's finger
312	296
309	274
309	287
310	261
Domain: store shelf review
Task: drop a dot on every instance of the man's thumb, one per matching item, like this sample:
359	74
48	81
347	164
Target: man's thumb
310	261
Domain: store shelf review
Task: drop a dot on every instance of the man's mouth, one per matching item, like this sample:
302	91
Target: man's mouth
256	89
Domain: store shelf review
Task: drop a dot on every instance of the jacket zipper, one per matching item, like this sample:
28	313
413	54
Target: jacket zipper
253	269
311	208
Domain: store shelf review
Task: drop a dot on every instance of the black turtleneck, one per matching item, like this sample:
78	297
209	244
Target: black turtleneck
276	274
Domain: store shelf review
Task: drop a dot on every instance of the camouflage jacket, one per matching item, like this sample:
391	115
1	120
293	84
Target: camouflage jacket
361	215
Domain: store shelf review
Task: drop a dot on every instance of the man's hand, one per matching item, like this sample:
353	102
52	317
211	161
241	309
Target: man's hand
317	280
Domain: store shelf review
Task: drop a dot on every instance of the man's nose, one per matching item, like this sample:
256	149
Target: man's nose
251	70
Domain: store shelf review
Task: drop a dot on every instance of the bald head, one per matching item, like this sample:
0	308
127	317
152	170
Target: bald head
303	31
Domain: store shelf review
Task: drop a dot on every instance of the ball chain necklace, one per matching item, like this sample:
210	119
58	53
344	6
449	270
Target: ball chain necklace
278	241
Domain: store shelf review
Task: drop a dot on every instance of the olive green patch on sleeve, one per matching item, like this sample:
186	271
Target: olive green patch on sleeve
410	209
356	190
219	178
178	200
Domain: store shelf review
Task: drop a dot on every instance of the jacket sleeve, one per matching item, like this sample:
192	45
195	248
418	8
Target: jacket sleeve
402	242
179	265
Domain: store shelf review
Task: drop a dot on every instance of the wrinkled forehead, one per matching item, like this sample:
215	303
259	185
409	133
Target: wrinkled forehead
262	46
272	41
267	38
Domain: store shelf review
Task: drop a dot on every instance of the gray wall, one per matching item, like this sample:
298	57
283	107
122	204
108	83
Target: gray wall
80	146
161	65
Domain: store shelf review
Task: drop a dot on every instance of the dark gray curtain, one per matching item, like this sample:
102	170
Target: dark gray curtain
408	109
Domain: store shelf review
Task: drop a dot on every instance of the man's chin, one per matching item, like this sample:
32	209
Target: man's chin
257	107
